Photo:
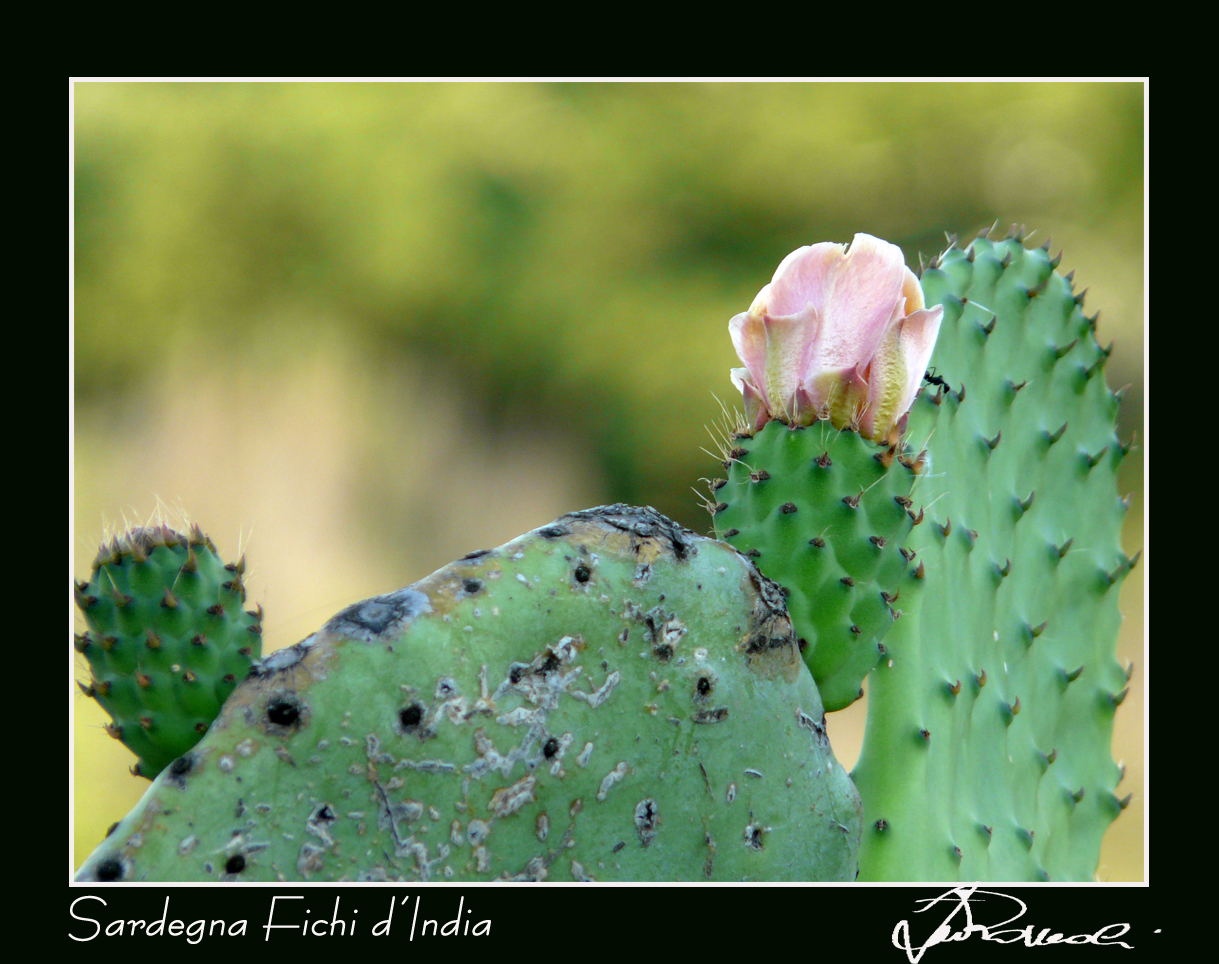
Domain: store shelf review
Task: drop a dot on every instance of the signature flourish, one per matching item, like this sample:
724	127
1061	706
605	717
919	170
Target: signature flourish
958	901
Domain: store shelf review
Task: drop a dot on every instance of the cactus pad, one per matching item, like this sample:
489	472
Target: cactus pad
824	513
986	754
609	697
167	642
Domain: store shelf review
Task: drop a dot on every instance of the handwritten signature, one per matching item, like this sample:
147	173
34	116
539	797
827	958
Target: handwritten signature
959	899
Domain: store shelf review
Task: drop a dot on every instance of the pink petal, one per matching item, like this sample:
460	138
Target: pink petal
886	381
749	339
848	396
913	292
919	331
789	342
859	303
802	278
897	370
756	411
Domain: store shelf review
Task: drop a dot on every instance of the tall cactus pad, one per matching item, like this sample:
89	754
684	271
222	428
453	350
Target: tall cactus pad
986	754
167	642
823	512
609	697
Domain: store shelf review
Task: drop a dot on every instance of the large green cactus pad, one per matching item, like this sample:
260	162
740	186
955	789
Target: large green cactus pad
987	750
609	697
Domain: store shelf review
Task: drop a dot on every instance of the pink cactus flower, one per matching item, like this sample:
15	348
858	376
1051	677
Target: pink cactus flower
838	334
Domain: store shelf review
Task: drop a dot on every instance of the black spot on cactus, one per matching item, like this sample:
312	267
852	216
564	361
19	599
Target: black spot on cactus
284	712
235	864
476	554
554	532
410	717
182	766
582	573
110	869
472	585
703	686
550	749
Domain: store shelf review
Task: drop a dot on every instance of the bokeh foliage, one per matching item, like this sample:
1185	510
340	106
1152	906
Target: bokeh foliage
561	258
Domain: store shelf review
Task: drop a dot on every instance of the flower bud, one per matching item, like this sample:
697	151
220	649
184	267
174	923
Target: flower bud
837	334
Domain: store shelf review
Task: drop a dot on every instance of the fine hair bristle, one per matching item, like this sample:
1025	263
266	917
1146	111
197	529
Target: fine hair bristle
162	526
723	429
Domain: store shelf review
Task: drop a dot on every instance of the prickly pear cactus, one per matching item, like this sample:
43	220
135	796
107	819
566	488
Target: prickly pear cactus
987	753
996	524
167	641
824	512
610	697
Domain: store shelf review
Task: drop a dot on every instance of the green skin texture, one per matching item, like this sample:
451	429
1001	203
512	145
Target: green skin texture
822	516
990	714
161	671
610	697
1012	777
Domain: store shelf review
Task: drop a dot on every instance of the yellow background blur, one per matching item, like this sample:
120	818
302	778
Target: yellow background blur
358	330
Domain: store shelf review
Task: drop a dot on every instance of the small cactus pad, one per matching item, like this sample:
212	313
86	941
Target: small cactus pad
609	697
824	513
987	751
167	640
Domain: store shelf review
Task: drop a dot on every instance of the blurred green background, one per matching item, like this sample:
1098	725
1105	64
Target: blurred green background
358	330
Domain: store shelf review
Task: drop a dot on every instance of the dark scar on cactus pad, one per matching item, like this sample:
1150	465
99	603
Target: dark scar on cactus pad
284	712
381	616
110	869
410	716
